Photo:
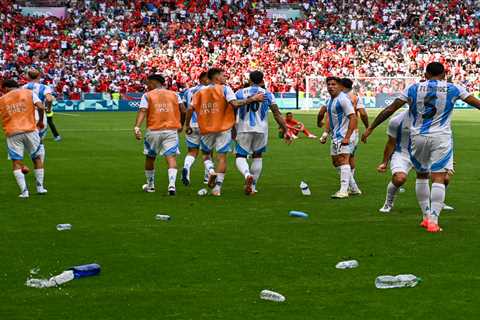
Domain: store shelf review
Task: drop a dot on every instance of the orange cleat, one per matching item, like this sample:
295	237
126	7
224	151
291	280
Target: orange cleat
424	223
433	228
249	185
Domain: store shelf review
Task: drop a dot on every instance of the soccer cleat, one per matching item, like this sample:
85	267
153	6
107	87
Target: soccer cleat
217	191
249	185
434	227
448	208
312	136
386	208
185	177
57	139
41	191
24	194
354	192
424	223
212	180
148	189
171	190
340	195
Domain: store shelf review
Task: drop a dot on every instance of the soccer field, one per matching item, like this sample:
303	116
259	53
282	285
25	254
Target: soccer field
216	254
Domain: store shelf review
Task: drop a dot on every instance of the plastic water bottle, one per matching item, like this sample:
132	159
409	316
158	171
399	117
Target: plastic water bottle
202	192
349	264
86	270
399	281
271	296
305	189
162	217
64	226
298	214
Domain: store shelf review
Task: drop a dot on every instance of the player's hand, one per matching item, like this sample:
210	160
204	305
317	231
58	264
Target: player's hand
287	137
180	130
323	138
366	134
382	167
40	125
189	130
138	133
258	97
345	141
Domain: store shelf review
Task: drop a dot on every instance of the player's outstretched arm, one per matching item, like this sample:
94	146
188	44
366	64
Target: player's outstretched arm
471	100
141	115
382	116
41	114
182	115
363	116
387	154
321	116
277	115
48	102
255	98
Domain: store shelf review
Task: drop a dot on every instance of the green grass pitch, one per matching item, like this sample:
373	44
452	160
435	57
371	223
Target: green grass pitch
216	254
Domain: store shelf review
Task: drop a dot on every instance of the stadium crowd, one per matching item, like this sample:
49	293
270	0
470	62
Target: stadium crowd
111	45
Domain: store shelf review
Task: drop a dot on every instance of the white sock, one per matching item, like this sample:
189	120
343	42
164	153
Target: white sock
189	160
172	177
438	198
41	153
345	173
391	192
150	174
220	178
242	166
422	189
352	183
256	169
209	167
39	174
20	177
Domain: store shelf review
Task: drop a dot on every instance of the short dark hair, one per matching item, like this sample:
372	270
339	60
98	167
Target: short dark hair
212	72
435	69
156	77
202	75
288	113
256	77
347	83
9	84
336	79
33	74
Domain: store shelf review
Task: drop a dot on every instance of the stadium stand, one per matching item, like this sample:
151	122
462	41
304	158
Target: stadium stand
110	46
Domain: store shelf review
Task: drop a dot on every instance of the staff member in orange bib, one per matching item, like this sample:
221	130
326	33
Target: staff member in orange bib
165	115
17	112
214	105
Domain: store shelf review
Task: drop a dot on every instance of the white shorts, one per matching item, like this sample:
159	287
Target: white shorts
19	143
431	153
220	142
250	143
162	142
400	162
193	139
336	147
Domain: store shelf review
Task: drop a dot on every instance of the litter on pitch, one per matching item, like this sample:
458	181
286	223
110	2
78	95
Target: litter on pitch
349	264
298	214
77	272
399	281
305	189
202	192
64	226
271	296
163	217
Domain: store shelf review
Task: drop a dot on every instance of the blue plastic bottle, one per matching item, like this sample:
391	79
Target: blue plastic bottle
86	270
298	214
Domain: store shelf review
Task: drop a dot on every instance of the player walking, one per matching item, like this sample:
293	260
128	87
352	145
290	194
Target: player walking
216	117
17	111
252	130
164	111
341	125
193	139
431	104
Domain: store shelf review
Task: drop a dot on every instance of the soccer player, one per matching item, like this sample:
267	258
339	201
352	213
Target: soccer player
17	111
252	130
396	152
214	105
193	139
44	93
341	125
165	112
431	104
294	127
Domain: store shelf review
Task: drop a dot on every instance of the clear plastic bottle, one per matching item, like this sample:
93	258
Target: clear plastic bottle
305	189
349	264
162	217
64	226
399	281
271	296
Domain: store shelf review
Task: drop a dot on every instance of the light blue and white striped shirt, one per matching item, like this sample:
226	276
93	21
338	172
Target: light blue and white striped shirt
431	104
188	102
41	90
338	110
253	117
399	129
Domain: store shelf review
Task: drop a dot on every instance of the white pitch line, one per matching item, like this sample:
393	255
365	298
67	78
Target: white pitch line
68	114
97	130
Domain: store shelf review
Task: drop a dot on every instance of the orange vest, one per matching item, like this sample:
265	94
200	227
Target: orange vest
17	112
163	111
214	114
